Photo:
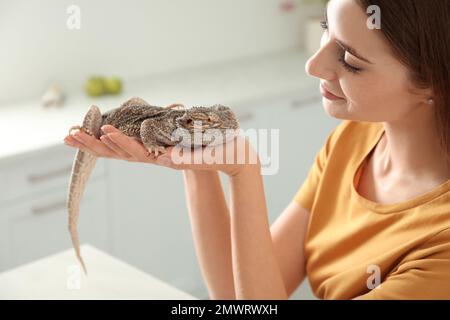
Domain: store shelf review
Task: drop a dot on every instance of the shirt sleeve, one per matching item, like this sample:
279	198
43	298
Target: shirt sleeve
425	275
306	194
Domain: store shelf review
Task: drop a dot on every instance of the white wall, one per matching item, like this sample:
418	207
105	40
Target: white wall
132	39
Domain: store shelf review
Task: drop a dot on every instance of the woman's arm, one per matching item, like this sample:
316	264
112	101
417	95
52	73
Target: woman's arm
288	236
257	274
210	223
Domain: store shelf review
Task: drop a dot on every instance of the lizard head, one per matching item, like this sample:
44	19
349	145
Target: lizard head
201	119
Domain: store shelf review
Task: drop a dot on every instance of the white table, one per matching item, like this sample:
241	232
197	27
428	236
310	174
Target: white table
60	277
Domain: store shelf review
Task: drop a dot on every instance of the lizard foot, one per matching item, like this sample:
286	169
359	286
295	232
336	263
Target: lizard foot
74	128
156	150
81	129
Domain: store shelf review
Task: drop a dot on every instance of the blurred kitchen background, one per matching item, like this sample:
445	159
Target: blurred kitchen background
248	54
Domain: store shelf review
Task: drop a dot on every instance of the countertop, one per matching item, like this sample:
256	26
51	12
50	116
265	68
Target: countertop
60	277
26	126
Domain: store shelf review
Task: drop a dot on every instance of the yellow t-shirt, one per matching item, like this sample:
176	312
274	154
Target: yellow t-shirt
352	244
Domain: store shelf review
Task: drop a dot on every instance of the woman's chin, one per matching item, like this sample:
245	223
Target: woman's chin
336	108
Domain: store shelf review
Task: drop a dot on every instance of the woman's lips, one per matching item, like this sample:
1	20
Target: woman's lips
327	94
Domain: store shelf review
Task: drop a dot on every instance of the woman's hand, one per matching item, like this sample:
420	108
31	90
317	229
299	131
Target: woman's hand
231	157
108	145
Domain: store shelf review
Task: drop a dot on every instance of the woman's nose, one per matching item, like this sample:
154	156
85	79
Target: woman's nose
321	64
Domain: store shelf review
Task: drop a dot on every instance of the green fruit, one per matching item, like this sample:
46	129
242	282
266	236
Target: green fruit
95	87
112	85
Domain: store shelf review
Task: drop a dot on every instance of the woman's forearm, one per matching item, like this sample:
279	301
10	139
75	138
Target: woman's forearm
210	222
256	271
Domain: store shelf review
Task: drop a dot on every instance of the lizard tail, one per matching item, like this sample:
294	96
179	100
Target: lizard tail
82	167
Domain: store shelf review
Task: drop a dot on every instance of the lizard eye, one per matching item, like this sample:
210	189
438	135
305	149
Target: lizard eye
189	121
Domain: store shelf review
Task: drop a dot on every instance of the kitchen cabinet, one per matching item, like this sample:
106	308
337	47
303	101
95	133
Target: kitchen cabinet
35	172
37	227
33	214
152	228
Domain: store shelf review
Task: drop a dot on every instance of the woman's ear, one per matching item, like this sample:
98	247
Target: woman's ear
426	96
421	97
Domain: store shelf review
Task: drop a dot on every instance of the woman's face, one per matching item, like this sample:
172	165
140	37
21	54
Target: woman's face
374	90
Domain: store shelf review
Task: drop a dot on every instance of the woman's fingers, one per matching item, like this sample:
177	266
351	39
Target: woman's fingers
184	158
128	145
113	146
165	159
90	144
230	157
89	141
69	140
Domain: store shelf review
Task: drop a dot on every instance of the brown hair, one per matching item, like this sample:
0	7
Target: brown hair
418	32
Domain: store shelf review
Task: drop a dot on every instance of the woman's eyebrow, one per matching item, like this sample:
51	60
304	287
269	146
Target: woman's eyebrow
344	46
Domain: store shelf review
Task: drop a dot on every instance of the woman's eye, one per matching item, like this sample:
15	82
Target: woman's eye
347	66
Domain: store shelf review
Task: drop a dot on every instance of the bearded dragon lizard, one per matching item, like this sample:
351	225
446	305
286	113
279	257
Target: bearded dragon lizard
153	127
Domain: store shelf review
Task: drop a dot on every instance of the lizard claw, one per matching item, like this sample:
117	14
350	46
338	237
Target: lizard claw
81	129
176	105
156	150
74	128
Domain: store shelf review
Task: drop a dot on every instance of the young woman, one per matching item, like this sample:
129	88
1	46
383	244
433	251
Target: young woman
372	219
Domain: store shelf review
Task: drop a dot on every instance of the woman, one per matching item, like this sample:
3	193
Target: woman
372	219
